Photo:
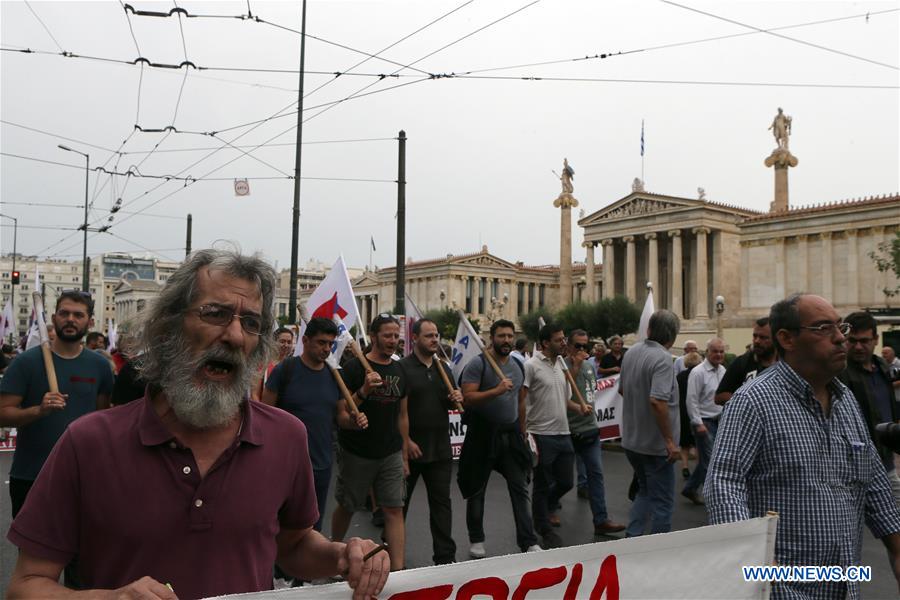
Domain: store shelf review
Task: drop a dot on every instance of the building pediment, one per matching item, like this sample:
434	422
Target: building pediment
367	278
482	260
638	204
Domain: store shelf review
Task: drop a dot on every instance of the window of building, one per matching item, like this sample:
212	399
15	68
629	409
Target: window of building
541	295
520	299
530	297
468	294
6	286
282	309
495	289
24	287
22	322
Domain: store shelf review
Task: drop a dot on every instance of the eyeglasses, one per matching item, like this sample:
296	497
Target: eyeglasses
828	329
222	316
581	346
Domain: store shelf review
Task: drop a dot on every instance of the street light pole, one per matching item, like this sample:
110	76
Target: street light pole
85	275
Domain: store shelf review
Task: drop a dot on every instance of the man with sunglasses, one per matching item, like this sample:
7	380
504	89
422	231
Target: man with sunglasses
193	487
869	378
41	416
585	434
793	441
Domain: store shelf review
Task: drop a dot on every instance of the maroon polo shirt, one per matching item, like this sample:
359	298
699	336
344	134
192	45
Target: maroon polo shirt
124	496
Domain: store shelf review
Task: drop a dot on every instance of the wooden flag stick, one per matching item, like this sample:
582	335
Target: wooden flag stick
344	391
571	381
348	397
450	386
45	342
358	353
487	354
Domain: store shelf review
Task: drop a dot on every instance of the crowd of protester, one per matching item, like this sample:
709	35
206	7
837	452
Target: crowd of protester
219	416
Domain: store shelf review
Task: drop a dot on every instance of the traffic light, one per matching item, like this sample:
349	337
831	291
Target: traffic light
15	278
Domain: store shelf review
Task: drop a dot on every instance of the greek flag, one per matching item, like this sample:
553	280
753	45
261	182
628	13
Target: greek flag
642	137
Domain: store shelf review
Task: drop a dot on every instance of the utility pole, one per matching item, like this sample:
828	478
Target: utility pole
86	270
187	242
295	222
400	290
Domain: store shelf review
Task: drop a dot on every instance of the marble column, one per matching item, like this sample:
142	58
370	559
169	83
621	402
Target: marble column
589	272
630	268
565	255
852	268
609	268
827	267
652	260
701	291
802	278
880	278
781	281
675	303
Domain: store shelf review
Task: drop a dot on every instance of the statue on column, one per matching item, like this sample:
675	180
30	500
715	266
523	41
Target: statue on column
496	311
781	129
568	174
565	198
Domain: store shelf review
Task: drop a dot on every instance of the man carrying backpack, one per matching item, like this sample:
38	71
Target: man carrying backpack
495	440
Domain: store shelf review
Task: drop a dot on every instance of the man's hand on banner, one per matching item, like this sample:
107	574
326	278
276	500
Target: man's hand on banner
365	577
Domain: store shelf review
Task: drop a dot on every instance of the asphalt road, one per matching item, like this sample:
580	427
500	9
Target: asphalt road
500	533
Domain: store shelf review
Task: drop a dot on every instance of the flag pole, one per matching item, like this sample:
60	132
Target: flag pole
642	151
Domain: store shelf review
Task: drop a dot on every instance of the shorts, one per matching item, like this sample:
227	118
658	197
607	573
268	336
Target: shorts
357	474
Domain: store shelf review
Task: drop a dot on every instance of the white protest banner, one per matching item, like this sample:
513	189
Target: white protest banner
608	408
457	432
695	563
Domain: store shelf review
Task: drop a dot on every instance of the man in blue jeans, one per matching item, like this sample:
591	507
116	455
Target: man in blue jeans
547	397
651	423
585	434
704	412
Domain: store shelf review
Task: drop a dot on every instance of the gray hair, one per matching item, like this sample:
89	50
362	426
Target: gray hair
784	314
714	340
612	339
663	327
166	313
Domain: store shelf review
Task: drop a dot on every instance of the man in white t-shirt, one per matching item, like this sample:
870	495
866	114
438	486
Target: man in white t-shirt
547	397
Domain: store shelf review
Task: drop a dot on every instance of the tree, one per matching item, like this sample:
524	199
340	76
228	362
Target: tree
623	316
529	321
447	321
576	316
887	260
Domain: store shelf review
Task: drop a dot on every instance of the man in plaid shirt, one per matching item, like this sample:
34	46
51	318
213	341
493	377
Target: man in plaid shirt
793	441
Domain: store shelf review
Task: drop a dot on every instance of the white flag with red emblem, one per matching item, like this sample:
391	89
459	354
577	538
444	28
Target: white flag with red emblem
334	296
7	320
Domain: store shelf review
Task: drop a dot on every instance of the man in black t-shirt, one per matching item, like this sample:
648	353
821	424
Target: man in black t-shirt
750	364
429	431
375	457
611	363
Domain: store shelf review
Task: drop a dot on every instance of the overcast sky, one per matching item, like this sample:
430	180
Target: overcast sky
480	153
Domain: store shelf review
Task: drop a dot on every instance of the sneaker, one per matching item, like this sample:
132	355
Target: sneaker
607	527
554	520
550	539
686	473
583	493
534	548
693	496
477	550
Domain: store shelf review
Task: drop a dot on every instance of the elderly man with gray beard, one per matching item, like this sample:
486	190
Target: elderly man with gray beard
192	488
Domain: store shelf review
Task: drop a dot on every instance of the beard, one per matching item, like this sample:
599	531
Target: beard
69	337
204	404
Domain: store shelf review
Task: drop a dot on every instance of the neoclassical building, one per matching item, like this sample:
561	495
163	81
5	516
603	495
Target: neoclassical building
694	250
485	286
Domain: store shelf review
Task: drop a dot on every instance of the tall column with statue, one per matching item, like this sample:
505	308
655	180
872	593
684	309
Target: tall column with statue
782	159
566	202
